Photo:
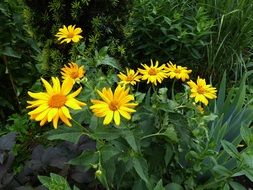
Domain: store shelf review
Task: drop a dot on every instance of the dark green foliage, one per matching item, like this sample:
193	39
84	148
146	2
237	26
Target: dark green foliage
231	40
168	30
17	49
101	22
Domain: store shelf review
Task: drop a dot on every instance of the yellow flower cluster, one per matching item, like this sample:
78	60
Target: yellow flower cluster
156	74
54	103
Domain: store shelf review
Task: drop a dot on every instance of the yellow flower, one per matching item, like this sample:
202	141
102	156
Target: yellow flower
131	77
177	72
113	105
153	73
72	71
51	105
201	91
69	34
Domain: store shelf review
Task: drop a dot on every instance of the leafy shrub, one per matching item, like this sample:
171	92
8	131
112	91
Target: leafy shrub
168	143
175	30
17	50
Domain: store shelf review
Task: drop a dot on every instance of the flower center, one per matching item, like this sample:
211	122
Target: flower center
129	78
71	34
152	71
74	74
177	71
57	101
201	90
113	105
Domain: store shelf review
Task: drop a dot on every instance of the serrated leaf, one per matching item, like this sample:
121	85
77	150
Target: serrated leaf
141	168
71	134
45	180
108	151
87	159
171	134
129	136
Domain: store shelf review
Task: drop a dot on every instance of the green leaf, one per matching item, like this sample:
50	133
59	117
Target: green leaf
168	154
45	180
248	172
75	188
171	134
230	149
174	186
102	58
141	168
107	133
236	186
87	158
102	179
71	134
222	93
226	187
159	185
246	134
129	136
11	53
108	151
248	159
54	182
221	170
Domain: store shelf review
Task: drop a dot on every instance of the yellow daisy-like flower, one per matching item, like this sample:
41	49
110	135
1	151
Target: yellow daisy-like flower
201	91
52	104
153	73
131	77
177	72
113	105
69	34
72	71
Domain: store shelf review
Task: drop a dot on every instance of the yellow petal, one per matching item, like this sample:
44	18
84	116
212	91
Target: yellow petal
116	118
67	86
47	86
65	111
43	121
56	84
39	109
72	104
42	115
108	117
74	94
55	120
39	95
125	114
51	114
64	118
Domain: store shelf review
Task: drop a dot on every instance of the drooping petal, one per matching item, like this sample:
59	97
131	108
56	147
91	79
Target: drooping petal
108	117
116	117
51	114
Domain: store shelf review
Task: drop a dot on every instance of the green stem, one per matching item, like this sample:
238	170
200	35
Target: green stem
87	132
153	135
172	90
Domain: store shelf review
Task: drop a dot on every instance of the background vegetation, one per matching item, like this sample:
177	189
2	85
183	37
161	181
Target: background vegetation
208	36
